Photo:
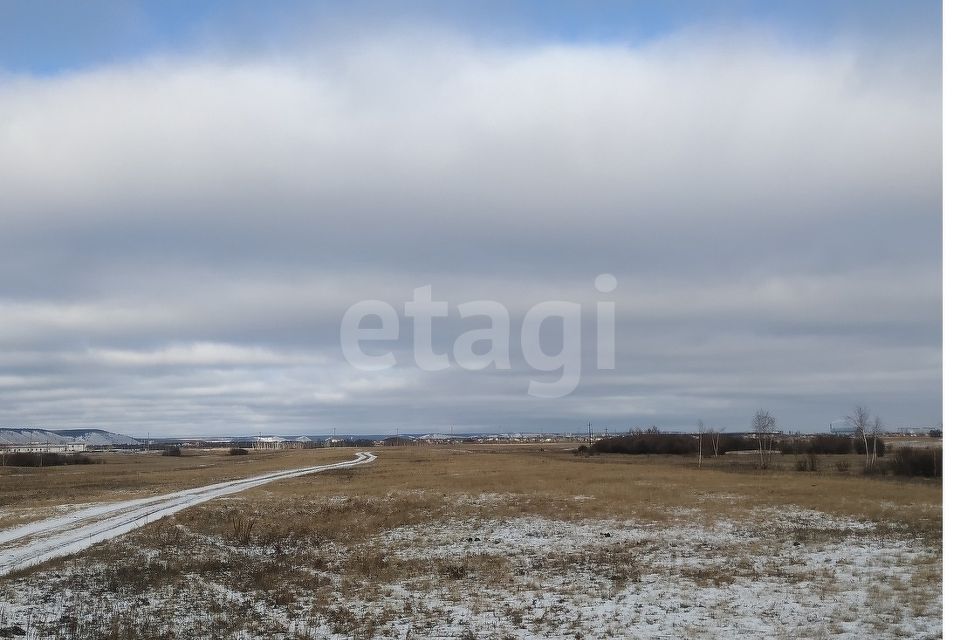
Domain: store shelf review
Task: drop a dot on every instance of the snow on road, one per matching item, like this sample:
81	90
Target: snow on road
30	544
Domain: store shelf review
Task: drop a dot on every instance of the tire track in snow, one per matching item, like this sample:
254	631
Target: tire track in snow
30	544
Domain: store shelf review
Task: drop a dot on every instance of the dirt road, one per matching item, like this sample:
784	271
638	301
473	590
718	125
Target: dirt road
30	544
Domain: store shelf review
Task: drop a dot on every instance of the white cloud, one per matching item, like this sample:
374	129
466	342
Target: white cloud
203	354
181	234
706	129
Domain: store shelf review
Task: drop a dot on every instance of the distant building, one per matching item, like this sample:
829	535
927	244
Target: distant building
278	442
918	431
842	428
43	447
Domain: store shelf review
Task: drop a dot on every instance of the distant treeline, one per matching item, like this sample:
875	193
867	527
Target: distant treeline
829	444
904	461
45	459
654	442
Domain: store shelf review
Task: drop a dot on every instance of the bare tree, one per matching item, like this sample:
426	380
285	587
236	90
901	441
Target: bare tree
764	424
715	440
700	430
860	421
875	430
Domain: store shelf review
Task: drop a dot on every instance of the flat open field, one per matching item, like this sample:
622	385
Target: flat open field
28	494
489	542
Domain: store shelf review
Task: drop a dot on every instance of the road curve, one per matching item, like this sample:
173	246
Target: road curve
30	544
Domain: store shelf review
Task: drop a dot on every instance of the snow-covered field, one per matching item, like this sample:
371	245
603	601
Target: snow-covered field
629	579
770	572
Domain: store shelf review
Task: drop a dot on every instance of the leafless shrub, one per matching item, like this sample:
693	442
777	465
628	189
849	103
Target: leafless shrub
808	462
242	527
368	562
342	620
910	462
166	533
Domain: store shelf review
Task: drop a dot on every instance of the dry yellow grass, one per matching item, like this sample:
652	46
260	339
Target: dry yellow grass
544	478
412	544
28	493
652	487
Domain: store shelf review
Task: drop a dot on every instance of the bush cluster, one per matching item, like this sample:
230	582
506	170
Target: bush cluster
858	446
821	444
828	444
647	443
808	462
904	461
915	462
654	442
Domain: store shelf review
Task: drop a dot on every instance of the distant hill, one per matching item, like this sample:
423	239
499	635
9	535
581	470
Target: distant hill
91	437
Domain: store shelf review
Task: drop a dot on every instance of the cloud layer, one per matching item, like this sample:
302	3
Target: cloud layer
181	235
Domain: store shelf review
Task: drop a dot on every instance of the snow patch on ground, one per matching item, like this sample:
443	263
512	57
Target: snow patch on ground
721	580
784	572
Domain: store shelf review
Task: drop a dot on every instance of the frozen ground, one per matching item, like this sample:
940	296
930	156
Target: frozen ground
628	579
772	573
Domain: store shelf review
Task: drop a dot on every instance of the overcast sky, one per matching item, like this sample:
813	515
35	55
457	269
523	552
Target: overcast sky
192	195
